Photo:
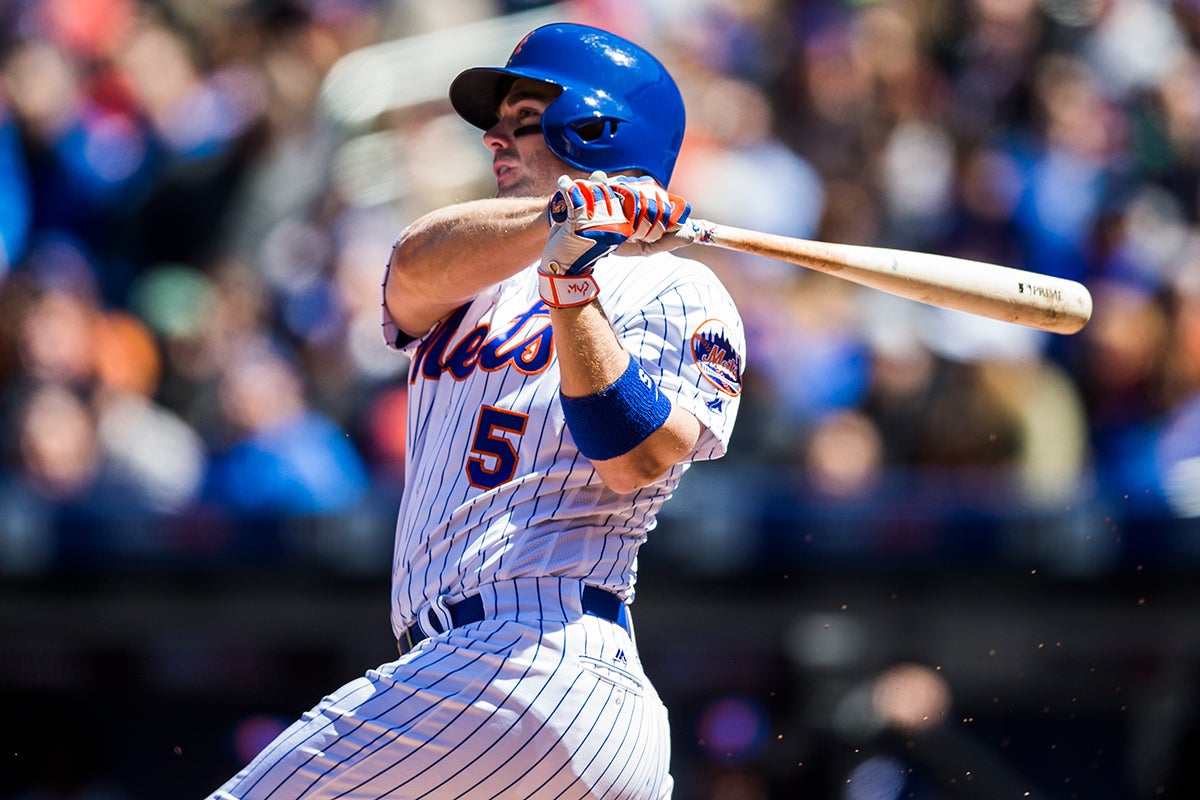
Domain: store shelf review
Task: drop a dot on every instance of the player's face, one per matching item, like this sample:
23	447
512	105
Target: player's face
523	163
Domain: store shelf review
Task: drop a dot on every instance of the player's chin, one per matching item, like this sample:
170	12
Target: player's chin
513	182
527	182
521	188
510	188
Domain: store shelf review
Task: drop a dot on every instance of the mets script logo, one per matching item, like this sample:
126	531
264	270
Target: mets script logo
716	357
525	344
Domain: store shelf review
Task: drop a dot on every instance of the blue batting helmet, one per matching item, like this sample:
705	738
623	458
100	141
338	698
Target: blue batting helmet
619	108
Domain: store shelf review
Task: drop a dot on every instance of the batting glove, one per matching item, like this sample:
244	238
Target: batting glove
651	209
587	222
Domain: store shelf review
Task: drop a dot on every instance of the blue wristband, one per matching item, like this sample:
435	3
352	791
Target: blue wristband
617	419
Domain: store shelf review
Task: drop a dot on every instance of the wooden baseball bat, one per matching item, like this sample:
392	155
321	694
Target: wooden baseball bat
977	287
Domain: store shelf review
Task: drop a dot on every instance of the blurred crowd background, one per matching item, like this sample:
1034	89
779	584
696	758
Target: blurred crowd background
197	198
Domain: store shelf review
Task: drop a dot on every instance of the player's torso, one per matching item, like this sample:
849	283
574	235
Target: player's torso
482	384
494	487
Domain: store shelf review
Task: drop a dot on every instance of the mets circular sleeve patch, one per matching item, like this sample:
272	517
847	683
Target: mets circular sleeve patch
716	357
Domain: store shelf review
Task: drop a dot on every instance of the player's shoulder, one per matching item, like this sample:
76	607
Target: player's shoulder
675	286
668	265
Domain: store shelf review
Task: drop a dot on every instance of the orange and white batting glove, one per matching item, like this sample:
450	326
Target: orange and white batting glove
587	222
652	210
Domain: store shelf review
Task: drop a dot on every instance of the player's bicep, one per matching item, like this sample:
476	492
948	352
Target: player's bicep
407	304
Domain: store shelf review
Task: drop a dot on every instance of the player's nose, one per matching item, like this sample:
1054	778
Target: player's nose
498	137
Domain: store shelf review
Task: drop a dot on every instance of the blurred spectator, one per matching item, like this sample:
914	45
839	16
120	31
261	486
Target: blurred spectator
1178	454
275	55
1131	46
734	169
1068	168
157	461
737	171
845	456
1166	132
116	450
84	160
827	112
1145	408
1126	352
283	457
992	47
944	416
15	206
53	342
203	123
812	360
58	450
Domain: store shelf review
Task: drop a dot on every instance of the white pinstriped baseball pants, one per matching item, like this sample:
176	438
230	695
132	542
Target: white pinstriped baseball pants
537	701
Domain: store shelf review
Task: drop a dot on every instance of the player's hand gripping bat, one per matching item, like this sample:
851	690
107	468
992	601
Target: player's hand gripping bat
990	290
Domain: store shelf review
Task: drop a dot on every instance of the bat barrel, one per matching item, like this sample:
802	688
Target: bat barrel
976	287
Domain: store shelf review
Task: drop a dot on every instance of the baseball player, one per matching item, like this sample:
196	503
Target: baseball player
565	371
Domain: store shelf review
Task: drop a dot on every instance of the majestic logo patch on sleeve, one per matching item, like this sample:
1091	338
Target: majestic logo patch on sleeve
717	359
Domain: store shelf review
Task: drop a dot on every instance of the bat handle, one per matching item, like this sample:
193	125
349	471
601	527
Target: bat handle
768	245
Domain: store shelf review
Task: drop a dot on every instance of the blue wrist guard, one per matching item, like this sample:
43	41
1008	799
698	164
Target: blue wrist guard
617	419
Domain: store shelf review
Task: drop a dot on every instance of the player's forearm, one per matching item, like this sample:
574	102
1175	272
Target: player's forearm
591	358
449	256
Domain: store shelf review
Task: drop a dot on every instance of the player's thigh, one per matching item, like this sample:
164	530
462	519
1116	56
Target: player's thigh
567	713
504	710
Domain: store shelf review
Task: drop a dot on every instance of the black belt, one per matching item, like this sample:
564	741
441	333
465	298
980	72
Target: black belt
596	601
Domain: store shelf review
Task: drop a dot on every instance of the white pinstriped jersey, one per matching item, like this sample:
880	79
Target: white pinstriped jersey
495	488
537	698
